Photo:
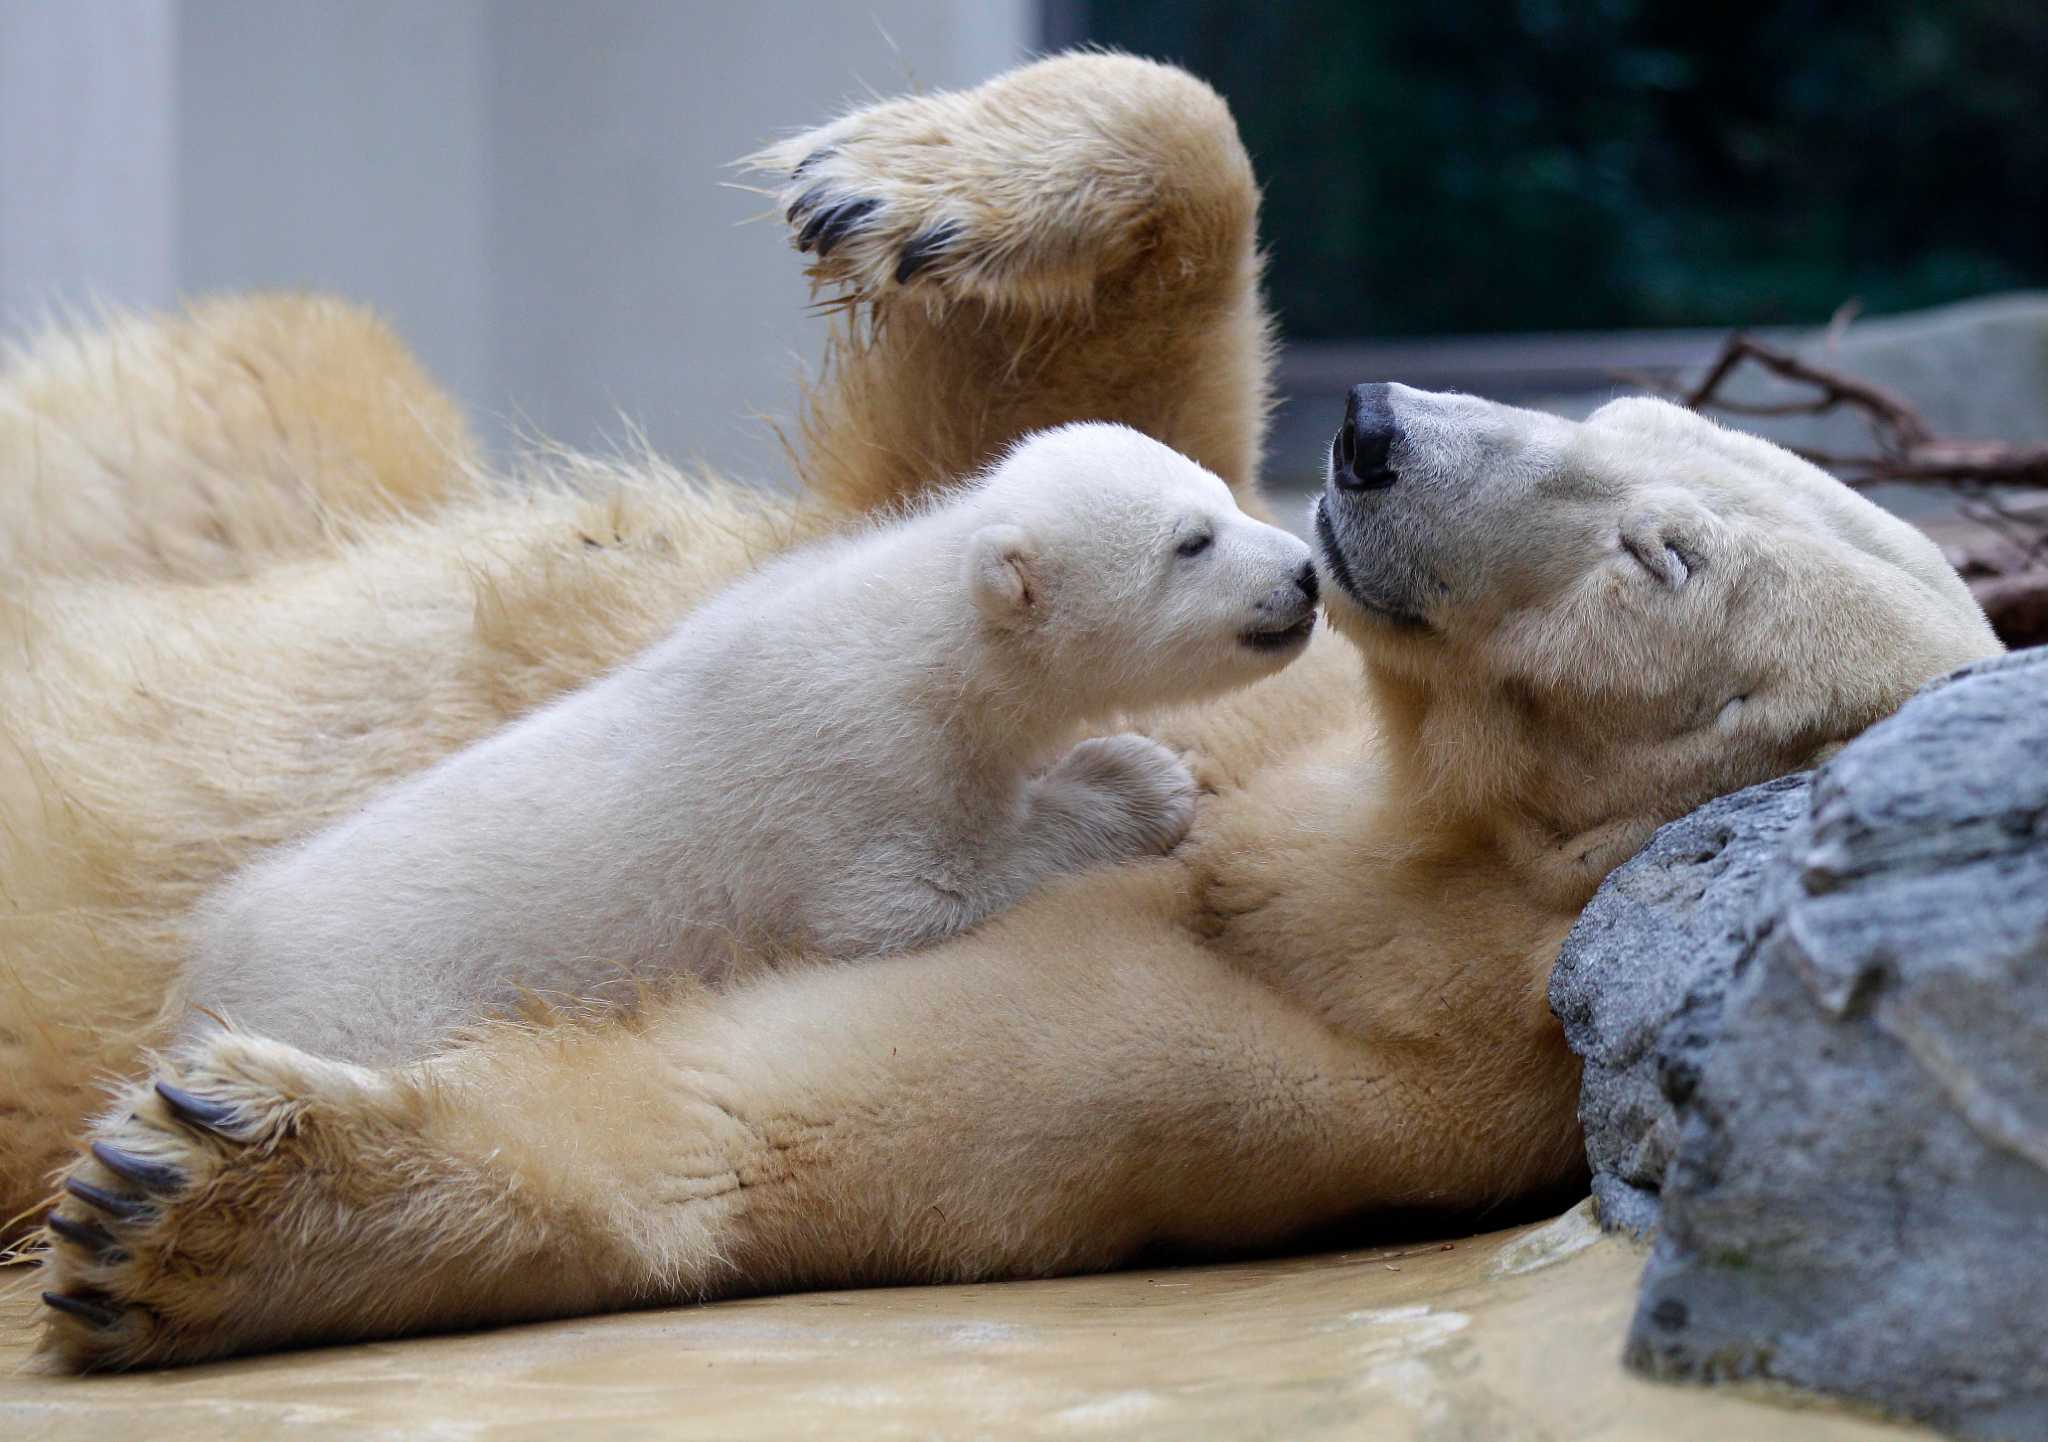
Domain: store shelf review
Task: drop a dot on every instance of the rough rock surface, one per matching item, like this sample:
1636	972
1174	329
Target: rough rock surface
1858	1202
1640	980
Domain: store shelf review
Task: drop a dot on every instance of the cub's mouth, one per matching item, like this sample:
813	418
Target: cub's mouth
1282	638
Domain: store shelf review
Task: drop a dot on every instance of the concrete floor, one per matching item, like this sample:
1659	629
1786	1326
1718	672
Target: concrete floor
1503	1337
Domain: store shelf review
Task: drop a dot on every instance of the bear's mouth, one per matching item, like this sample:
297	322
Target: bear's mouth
1340	569
1333	554
1284	637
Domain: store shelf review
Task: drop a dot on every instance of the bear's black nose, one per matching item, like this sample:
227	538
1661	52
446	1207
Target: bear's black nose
1360	456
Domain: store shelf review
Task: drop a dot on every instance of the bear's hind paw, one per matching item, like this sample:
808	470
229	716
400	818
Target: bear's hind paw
161	1246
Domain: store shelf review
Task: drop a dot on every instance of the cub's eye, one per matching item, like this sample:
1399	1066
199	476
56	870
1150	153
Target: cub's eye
1193	545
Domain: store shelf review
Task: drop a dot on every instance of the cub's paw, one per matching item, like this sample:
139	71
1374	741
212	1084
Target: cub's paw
1144	793
173	1238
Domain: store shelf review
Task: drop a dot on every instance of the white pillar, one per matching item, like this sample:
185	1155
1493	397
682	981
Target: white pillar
88	155
631	278
342	147
534	192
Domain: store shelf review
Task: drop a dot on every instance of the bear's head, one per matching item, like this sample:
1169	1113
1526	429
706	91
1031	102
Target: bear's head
1593	627
1129	572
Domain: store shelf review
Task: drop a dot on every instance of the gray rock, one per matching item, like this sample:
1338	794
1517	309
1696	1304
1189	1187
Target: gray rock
1639	982
1858	1202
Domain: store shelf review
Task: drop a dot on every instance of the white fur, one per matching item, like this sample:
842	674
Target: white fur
835	755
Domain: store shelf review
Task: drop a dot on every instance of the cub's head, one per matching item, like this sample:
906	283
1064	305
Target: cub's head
1606	623
1129	571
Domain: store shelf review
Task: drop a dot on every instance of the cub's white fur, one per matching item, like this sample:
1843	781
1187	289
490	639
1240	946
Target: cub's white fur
837	755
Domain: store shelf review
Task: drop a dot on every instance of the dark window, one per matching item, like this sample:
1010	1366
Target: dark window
1481	165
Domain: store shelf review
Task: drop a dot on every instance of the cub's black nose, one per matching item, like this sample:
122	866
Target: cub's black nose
1360	454
1305	581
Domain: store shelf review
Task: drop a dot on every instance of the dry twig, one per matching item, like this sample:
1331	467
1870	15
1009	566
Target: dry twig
2009	577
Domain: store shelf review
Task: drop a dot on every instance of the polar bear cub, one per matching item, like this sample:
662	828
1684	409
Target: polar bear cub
843	753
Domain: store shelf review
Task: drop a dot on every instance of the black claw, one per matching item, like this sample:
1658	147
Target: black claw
841	221
89	1235
197	1110
830	220
151	1176
810	200
821	153
98	1313
125	1209
924	248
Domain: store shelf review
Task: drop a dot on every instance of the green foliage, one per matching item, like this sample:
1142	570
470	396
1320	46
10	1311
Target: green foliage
1474	165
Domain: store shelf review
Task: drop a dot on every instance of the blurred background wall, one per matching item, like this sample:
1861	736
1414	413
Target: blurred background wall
532	191
1516	197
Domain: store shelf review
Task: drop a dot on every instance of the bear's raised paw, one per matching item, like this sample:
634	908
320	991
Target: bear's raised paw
871	220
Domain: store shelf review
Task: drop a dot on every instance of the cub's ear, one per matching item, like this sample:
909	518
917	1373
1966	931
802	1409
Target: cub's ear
1002	572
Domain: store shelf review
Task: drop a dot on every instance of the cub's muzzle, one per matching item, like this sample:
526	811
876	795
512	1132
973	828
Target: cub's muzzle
1287	613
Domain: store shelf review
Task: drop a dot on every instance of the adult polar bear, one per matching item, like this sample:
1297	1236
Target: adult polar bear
1330	1001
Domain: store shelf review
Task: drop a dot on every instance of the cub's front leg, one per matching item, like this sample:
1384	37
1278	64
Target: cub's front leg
1110	799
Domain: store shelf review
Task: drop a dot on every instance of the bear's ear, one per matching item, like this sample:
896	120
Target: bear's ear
1653	541
1002	572
1670	538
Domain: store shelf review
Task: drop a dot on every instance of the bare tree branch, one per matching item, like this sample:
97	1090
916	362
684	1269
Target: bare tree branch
2010	580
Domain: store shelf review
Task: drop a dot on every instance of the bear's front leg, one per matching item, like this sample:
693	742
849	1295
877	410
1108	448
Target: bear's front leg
1022	191
1075	239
